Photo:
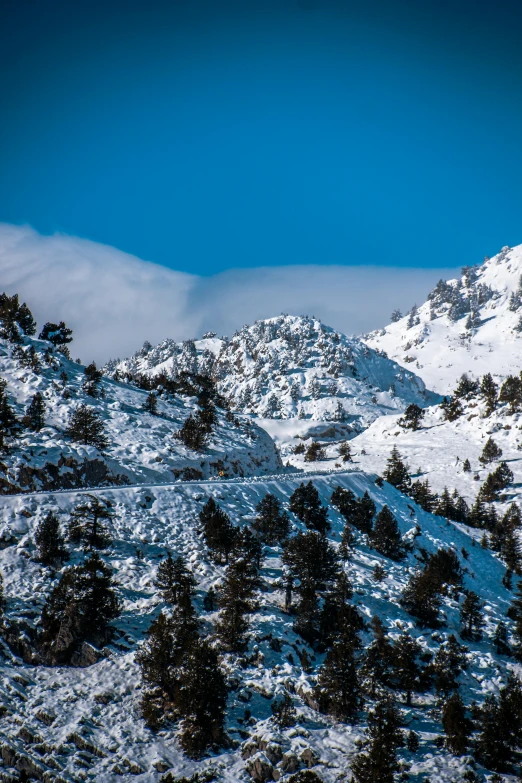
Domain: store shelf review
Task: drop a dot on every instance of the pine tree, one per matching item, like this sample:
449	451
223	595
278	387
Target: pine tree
49	541
87	523
57	334
457	726
357	512
386	536
85	426
26	321
35	414
8	423
489	390
450	661
451	409
471	616
378	659
412	418
235	601
501	640
466	466
466	387
174	580
492	747
284	713
306	505
308	620
151	404
397	472
421	598
78	609
92	380
310	558
339	617
272	524
218	530
193	434
511	393
315	452
421	493
515	613
406	671
338	691
495	482
345	451
490	453
384	736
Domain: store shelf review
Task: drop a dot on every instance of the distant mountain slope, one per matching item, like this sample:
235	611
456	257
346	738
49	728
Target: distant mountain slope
292	368
472	325
142	446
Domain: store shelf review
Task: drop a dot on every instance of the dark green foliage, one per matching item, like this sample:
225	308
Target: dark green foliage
284	713
305	776
86	426
338	691
466	387
358	512
174	580
500	479
57	334
193	434
397	472
345	451
34	417
504	538
501	640
406	672
412	418
466	466
490	452
306	505
87	523
8	422
471	616
272	524
218	530
235	601
299	449
450	661
384	736
451	408
339	618
489	390
151	404
315	452
511	393
451	506
25	320
311	559
422	495
421	596
79	609
412	741
377	664
457	726
15	318
92	380
385	536
28	357
50	544
515	613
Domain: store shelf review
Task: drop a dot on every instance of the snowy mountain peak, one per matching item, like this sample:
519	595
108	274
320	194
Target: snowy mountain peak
472	324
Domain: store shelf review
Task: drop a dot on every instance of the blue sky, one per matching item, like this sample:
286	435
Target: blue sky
213	136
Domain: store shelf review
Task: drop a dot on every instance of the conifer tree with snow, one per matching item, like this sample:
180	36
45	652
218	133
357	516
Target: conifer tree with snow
377	663
79	608
395	316
272	523
412	418
174	580
284	713
310	558
235	600
218	531
501	639
449	663
489	390
456	724
466	387
466	466
471	616
491	452
193	434
515	613
406	668
151	404
87	523
511	393
339	617
397	471
34	417
315	452
345	451
386	537
495	482
50	544
58	335
86	427
421	598
8	423
92	380
384	736
451	408
338	690
306	505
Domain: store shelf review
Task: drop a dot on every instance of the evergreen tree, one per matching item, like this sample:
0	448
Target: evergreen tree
57	334
85	426
151	404
218	530
511	393
311	559
406	670
466	387
395	316
26	321
421	493
452	409
193	434
500	639
450	661
357	512
8	423
338	691
174	580
457	726
378	659
284	713
412	741
421	598
35	414
235	601
339	618
87	523
384	736
364	514
345	451
272	524
78	609
471	616
315	452
492	746
50	544
490	453
489	390
515	613
308	620
466	466
386	536
478	514
92	380
500	479
396	472
306	505
412	418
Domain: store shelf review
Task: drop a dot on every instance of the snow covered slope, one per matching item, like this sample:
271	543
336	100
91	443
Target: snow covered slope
290	368
72	724
472	325
142	447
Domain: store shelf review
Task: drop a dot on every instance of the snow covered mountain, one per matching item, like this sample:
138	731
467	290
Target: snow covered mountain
291	369
471	325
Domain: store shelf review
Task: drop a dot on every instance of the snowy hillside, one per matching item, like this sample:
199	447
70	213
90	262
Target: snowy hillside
141	447
472	325
72	724
294	369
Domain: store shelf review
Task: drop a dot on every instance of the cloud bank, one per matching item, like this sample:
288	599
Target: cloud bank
114	301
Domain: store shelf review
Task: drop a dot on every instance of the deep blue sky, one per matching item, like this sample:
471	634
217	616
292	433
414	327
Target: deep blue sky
210	135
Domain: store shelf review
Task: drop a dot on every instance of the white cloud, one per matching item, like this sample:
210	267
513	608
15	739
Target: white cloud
115	301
